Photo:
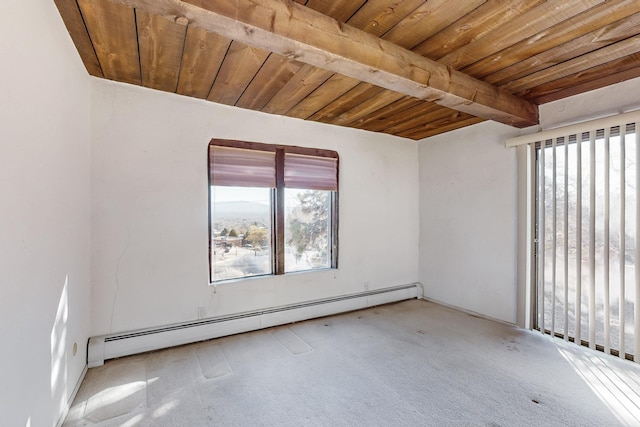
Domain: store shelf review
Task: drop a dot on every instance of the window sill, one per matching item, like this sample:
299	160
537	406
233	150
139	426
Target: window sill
266	276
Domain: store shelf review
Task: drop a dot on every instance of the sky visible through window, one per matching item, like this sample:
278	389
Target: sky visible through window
247	194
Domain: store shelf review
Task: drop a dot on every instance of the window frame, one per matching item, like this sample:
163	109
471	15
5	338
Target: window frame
278	202
592	328
530	276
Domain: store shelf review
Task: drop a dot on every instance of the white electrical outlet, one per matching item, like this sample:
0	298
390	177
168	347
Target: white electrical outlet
202	312
366	286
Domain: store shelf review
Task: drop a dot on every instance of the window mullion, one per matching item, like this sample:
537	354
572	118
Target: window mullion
266	171
334	229
278	247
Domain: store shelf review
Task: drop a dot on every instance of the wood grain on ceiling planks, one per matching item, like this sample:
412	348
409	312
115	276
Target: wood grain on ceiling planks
538	50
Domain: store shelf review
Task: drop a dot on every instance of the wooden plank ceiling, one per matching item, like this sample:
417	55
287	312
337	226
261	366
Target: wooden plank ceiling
411	68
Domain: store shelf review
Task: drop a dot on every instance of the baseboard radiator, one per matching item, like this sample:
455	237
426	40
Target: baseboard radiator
107	347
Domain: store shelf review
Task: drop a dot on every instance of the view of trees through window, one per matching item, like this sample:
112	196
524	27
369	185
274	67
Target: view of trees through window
307	229
572	264
242	230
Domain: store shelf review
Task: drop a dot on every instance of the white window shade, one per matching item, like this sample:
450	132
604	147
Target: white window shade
242	168
310	172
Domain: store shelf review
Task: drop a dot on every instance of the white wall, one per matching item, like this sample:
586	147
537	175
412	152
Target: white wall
468	204
468	219
149	209
44	214
616	99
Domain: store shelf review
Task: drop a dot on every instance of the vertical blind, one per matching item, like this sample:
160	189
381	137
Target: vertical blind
587	233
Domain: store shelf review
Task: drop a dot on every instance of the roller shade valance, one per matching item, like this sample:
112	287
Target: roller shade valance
310	172
242	168
250	164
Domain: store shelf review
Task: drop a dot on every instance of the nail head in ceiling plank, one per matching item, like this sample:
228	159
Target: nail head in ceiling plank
335	87
574	48
615	72
621	50
533	22
421	116
240	66
273	75
355	97
453	125
305	81
340	10
427	20
486	18
379	16
369	106
374	16
112	29
383	118
305	35
517	59
161	44
413	116
201	61
75	25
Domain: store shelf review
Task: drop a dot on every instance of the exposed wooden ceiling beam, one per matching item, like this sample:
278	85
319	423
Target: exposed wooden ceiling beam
299	33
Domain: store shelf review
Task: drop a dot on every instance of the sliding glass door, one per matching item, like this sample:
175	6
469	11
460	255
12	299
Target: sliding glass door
586	238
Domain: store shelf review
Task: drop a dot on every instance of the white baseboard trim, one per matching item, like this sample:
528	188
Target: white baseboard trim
112	346
469	312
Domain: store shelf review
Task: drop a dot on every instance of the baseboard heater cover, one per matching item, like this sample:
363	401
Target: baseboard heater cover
112	346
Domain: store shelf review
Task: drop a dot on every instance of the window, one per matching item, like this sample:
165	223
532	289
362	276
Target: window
273	209
586	233
578	240
579	264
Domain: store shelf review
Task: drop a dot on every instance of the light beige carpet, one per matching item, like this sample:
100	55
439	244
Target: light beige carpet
412	363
